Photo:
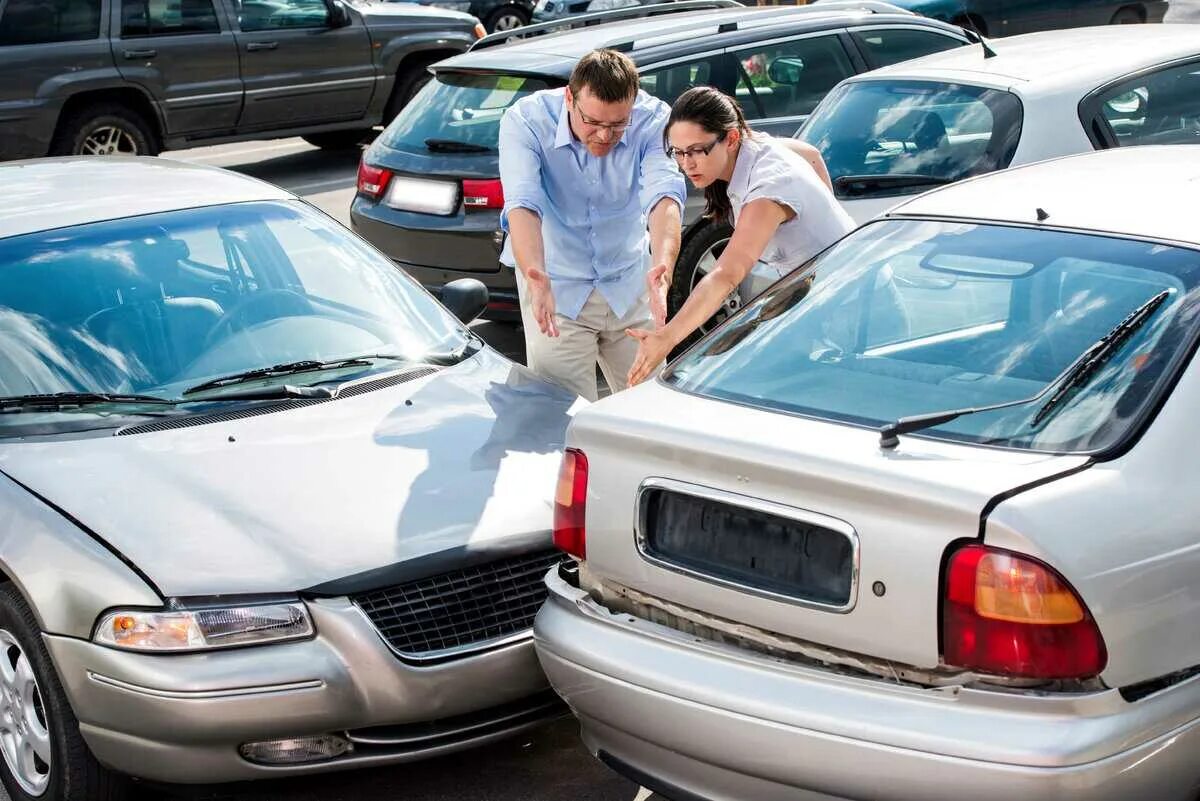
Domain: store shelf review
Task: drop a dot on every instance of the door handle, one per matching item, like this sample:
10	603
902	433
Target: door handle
135	54
252	46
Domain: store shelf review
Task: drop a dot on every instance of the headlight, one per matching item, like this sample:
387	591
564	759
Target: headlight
203	629
453	5
609	5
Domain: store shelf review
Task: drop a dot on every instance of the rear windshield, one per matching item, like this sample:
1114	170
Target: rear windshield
456	107
905	318
893	137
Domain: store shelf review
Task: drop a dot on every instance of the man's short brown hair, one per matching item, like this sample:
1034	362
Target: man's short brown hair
610	76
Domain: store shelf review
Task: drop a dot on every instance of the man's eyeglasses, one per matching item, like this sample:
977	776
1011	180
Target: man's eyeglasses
614	127
695	151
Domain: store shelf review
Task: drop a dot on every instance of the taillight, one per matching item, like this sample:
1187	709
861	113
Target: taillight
483	194
480	31
570	500
1010	615
372	180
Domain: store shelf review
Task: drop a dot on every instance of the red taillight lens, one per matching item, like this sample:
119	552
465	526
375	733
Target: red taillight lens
372	181
570	501
483	194
1011	615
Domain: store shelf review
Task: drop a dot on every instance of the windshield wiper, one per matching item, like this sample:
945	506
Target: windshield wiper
455	146
276	392
852	185
290	368
1075	376
469	348
57	400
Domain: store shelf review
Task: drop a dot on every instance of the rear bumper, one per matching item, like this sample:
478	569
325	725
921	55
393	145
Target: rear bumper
716	722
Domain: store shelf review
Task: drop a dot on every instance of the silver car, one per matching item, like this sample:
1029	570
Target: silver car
266	508
916	524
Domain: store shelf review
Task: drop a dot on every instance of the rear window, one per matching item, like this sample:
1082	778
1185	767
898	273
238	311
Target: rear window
882	138
458	108
47	21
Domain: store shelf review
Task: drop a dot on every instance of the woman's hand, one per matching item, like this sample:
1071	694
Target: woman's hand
653	347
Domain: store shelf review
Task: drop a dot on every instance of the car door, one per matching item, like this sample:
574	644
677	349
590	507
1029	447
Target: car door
298	66
185	55
1157	107
780	82
1024	16
883	46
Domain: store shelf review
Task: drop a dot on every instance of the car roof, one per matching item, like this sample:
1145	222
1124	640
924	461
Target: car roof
45	194
647	39
1145	192
1051	60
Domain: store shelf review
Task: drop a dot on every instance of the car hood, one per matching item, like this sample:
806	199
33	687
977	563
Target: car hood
323	495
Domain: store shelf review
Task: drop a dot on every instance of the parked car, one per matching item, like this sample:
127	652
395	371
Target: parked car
268	508
497	15
909	529
429	191
1007	17
905	128
102	77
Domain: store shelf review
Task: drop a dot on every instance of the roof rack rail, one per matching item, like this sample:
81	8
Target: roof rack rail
600	17
873	6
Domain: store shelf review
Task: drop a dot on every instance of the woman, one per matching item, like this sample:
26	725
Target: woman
775	191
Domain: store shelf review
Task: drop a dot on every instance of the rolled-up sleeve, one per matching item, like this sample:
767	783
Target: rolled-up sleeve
660	175
520	167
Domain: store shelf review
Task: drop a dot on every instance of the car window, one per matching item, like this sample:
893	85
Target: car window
47	21
912	133
459	108
1161	108
164	18
913	317
266	15
885	46
789	79
668	83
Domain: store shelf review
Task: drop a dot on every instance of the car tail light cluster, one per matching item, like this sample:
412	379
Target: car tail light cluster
372	180
483	194
1011	615
570	501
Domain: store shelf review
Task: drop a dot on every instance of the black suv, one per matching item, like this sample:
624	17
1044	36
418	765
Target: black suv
428	191
139	76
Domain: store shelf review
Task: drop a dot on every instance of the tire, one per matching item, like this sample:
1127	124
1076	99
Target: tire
407	85
71	773
1129	15
104	129
337	140
506	19
696	257
972	23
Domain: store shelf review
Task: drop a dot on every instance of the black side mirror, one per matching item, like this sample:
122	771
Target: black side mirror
339	15
466	298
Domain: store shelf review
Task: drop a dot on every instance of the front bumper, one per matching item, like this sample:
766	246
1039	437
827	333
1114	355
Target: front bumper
181	718
696	719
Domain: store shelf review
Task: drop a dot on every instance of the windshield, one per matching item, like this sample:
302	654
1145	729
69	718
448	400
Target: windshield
905	318
461	108
935	131
156	304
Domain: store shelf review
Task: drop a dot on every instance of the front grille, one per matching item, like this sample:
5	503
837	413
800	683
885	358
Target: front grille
463	610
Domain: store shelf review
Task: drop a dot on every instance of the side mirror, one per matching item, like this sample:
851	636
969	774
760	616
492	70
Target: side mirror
466	298
339	15
785	71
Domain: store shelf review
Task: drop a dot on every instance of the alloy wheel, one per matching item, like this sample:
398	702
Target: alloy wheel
704	266
508	22
24	729
109	141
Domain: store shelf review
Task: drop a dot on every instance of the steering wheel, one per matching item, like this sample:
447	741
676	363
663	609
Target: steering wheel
258	307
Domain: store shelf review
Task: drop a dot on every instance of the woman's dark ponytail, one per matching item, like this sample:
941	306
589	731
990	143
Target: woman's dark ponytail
717	113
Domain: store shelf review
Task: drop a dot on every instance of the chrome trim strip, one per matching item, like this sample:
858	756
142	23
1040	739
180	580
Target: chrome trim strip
457	731
754	504
317	85
192	695
213	96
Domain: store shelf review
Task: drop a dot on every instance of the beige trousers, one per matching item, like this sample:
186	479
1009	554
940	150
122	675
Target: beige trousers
597	335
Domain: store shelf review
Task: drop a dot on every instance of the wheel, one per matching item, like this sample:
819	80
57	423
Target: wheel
104	130
506	19
45	757
407	86
696	259
1127	16
337	140
971	22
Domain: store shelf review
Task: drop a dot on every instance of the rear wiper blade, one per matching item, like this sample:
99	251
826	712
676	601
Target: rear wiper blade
57	400
1076	375
455	146
852	185
290	368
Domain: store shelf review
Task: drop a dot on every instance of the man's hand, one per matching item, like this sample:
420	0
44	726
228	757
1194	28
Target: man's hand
541	301
657	284
653	348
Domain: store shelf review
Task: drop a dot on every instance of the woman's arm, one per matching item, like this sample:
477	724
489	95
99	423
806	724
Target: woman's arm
812	156
756	225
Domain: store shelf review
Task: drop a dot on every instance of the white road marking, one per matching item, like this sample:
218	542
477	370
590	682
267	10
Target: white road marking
642	794
247	151
333	182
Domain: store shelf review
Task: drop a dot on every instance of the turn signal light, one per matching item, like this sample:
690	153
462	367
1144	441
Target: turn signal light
372	180
570	501
483	194
1008	614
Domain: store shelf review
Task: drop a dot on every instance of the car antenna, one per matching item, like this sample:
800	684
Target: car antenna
988	52
1042	214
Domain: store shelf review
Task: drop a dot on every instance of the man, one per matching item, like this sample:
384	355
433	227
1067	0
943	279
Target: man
584	176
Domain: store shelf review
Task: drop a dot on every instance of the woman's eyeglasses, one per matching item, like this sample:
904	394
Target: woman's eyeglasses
695	151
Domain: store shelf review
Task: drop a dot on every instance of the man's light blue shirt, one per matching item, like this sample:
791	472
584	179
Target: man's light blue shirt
593	209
